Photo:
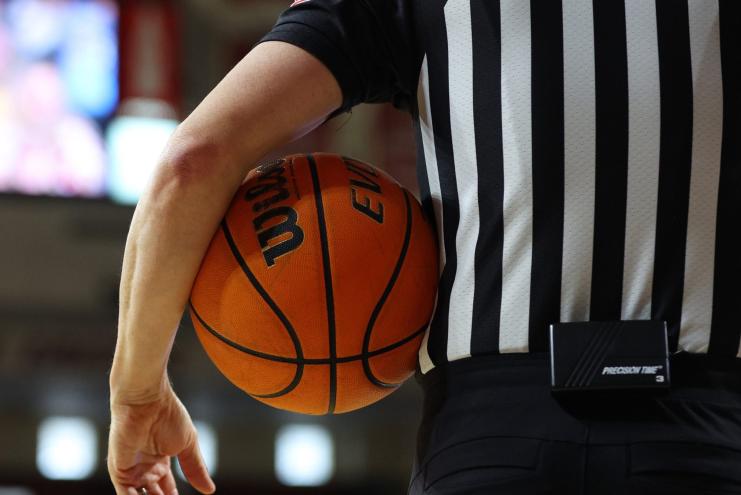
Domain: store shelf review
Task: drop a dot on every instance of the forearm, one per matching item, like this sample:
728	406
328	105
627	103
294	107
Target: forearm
169	235
255	109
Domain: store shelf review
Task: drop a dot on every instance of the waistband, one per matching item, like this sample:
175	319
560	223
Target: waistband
512	395
687	370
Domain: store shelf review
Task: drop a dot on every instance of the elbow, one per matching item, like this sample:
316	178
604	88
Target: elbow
190	159
193	165
192	171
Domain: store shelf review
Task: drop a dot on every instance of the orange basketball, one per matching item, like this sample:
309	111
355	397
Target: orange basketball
317	289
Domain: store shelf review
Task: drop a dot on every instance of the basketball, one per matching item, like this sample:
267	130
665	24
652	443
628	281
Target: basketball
317	289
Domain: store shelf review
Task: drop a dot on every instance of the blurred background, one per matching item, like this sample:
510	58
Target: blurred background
90	90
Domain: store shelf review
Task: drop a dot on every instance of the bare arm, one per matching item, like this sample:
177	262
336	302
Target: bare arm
275	95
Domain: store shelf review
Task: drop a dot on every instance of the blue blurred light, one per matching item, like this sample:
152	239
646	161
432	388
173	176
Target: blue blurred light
67	448
304	455
134	145
37	26
88	58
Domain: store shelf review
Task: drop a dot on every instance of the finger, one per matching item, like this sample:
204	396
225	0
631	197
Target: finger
119	489
124	490
168	484
194	469
154	490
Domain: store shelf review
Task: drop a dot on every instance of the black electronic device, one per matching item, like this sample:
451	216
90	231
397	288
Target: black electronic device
609	355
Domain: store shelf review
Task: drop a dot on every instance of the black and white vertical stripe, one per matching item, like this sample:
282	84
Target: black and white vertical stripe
583	162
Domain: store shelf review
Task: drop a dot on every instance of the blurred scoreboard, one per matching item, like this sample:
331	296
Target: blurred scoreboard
58	86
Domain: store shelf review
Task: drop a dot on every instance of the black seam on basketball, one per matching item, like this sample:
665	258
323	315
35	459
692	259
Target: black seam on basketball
269	301
304	361
329	292
377	310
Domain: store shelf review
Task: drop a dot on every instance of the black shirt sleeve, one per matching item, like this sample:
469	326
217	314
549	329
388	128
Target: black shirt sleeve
368	45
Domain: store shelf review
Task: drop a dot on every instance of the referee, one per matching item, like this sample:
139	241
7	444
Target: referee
582	159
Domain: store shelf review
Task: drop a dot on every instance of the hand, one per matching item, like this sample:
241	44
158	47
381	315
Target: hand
142	440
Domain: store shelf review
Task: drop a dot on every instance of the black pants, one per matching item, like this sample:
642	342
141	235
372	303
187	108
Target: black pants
492	426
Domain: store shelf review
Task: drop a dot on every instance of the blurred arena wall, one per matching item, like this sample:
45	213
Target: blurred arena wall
61	257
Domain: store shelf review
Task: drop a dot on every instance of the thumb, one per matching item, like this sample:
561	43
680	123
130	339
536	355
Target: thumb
194	468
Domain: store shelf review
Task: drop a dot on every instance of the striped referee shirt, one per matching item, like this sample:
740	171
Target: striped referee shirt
582	158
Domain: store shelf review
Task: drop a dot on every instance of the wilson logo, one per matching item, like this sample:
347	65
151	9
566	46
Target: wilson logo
277	226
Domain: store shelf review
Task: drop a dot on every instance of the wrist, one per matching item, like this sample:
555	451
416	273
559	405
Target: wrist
128	390
139	371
